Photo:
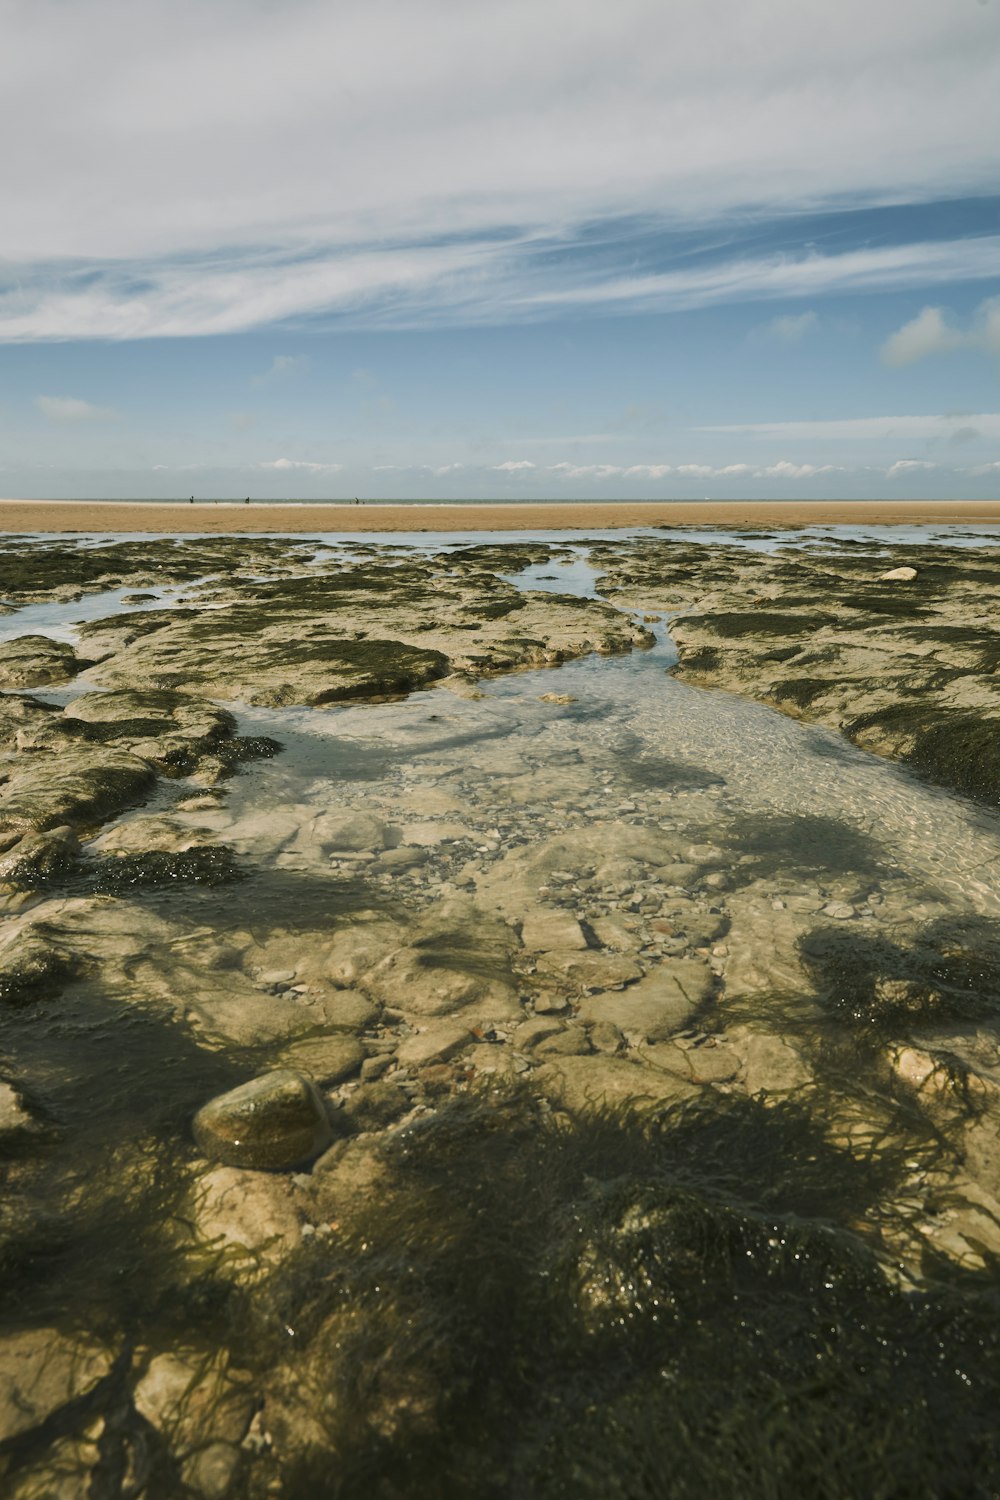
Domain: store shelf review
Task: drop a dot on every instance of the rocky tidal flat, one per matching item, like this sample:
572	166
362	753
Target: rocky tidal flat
499	1018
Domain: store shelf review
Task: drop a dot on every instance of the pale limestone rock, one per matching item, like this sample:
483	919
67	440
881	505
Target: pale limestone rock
544	930
898	575
42	1370
658	1005
359	832
585	972
771	1064
434	1043
211	1471
357	948
13	1115
193	1398
327	1059
577	1083
237	1210
428	835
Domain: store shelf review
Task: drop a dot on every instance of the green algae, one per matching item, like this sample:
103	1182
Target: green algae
634	1305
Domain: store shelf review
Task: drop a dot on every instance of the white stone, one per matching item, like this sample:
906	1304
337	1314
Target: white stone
898	575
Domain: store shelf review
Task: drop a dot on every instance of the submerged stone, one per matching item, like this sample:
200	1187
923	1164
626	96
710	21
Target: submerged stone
273	1122
42	1371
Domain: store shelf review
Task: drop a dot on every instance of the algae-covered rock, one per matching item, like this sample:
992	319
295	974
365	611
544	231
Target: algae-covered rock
40	859
36	661
82	785
275	1122
34	966
170	730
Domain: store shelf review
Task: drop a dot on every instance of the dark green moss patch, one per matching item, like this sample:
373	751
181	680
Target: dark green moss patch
676	1305
952	973
159	868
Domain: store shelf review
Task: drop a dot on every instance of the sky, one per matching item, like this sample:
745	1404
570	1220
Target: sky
456	249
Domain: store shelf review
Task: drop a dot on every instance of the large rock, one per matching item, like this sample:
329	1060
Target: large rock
41	1371
35	661
276	1122
659	1005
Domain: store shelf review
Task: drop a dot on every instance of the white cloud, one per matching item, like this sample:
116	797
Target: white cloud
981	469
70	409
785	470
866	429
789	329
513	465
930	333
647	471
587	471
299	463
907	466
282	366
220	167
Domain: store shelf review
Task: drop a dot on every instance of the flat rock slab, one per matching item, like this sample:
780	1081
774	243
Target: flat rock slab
544	930
580	1083
327	1059
659	1005
275	1122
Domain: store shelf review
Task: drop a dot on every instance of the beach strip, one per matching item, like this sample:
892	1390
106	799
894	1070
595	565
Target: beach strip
226	516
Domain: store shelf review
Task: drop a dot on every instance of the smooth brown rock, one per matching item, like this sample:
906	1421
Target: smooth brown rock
275	1122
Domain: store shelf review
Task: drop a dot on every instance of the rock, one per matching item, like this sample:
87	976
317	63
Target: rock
35	966
358	832
211	1471
571	1041
841	911
41	1371
429	835
583	972
13	1115
545	930
771	1065
84	784
35	661
606	1037
535	1030
578	1083
898	575
435	1043
657	1006
346	1010
375	1105
327	1059
38	859
235	1210
193	1398
275	1122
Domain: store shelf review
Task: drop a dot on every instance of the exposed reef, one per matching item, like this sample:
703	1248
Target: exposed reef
421	1080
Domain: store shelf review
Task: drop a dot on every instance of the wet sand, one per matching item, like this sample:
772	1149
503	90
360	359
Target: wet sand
230	516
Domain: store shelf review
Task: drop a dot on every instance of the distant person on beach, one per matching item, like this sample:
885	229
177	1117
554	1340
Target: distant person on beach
247	500
191	501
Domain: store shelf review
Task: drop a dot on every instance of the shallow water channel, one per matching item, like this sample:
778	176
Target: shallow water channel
802	1231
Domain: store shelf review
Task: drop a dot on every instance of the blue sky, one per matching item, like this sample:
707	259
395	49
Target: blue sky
551	249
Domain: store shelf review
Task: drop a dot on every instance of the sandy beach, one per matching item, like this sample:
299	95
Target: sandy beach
229	516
